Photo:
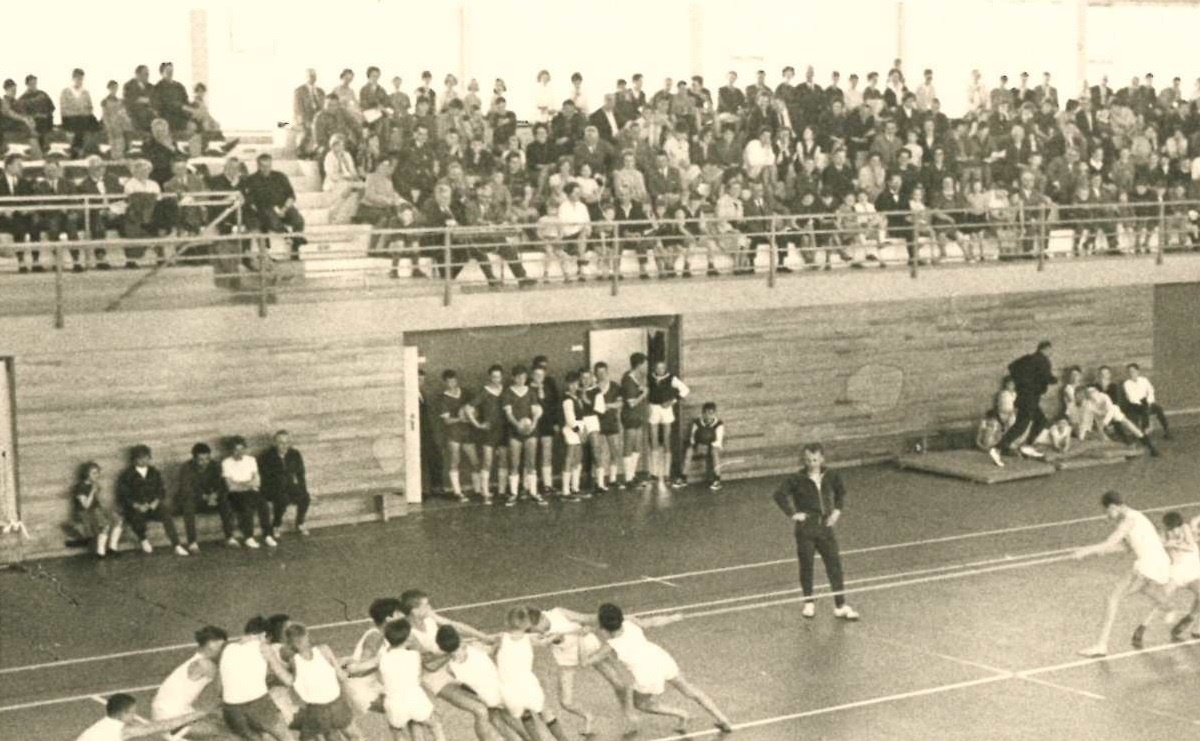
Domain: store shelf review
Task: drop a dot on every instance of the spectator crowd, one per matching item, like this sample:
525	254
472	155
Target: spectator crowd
837	168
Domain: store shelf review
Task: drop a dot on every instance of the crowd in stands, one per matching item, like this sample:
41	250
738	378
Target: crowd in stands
840	166
241	488
1106	408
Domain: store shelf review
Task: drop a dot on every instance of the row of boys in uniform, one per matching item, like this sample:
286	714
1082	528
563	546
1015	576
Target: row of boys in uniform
514	427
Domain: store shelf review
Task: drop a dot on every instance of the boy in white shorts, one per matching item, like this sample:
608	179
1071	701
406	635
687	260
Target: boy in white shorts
1180	540
404	700
473	667
365	686
573	642
665	389
178	693
519	686
1151	571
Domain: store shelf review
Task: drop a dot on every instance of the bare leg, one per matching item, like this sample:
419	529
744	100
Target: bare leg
566	698
650	704
551	723
697	695
463	700
1128	585
400	734
434	726
624	692
509	727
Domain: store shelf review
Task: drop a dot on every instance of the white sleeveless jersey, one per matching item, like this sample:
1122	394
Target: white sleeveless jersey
105	729
479	672
243	673
514	658
426	637
1143	538
178	693
316	679
560	624
400	670
361	647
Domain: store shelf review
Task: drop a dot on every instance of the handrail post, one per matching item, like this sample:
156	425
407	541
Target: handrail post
1040	246
446	268
773	256
263	255
87	229
59	312
914	255
1162	232
615	266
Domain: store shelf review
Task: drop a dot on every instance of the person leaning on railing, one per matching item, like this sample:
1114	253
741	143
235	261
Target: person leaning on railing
142	216
101	215
60	223
20	225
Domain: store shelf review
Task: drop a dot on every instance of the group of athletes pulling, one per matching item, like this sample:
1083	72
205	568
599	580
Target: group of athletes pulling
274	679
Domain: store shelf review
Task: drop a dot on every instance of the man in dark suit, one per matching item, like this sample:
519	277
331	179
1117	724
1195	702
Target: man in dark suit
307	102
757	211
58	223
758	88
170	99
440	212
634	235
283	480
566	128
605	119
1032	374
272	203
22	226
142	497
1085	119
137	95
1101	94
664	183
893	204
730	99
595	152
101	182
1046	91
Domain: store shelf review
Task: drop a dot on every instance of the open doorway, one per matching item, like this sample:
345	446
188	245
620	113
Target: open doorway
566	345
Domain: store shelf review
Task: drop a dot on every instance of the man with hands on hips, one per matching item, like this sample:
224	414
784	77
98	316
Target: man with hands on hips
813	499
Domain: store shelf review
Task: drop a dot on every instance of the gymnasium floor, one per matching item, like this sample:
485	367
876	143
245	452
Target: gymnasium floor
971	618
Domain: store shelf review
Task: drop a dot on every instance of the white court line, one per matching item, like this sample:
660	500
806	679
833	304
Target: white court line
610	585
1103	659
1093	696
659	580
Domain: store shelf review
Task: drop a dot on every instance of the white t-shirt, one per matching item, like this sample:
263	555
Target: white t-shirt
572	217
239	472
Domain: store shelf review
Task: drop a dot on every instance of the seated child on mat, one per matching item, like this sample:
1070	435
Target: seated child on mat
706	437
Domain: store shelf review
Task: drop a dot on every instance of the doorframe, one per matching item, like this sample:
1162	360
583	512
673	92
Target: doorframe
412	424
8	368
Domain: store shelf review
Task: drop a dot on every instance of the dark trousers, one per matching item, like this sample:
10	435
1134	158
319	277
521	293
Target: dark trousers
1140	414
813	539
1029	414
138	520
280	501
270	221
189	506
246	504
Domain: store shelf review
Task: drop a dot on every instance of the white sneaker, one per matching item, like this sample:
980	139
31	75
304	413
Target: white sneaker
233	543
1031	452
994	454
809	611
146	547
180	551
845	612
270	541
251	543
302	529
193	547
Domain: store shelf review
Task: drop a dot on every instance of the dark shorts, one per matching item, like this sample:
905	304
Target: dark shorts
312	720
610	423
256	716
514	435
458	433
495	437
632	418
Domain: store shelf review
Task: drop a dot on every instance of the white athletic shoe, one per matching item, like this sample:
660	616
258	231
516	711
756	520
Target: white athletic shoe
994	454
193	547
180	551
1031	452
146	547
845	612
270	541
233	543
302	529
809	611
251	543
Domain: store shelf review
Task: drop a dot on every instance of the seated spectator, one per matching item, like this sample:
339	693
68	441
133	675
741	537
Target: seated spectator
201	490
1070	397
118	126
1100	412
343	181
103	214
1138	401
240	474
333	121
180	212
37	105
574	229
989	432
93	519
758	159
664	183
348	99
705	437
208	131
142	498
440	212
633	235
483	210
272	203
78	115
161	151
17	128
381	205
893	205
1005	403
61	223
143	218
377	110
284	482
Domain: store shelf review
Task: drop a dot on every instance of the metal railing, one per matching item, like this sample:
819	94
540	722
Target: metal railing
264	269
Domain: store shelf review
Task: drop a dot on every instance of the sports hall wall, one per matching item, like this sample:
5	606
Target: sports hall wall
866	363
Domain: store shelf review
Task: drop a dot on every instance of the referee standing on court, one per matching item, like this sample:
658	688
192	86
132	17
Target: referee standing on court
813	499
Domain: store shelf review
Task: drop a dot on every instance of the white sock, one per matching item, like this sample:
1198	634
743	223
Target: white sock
455	484
514	483
502	481
598	473
548	477
102	544
483	484
531	483
576	477
614	472
475	483
114	537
